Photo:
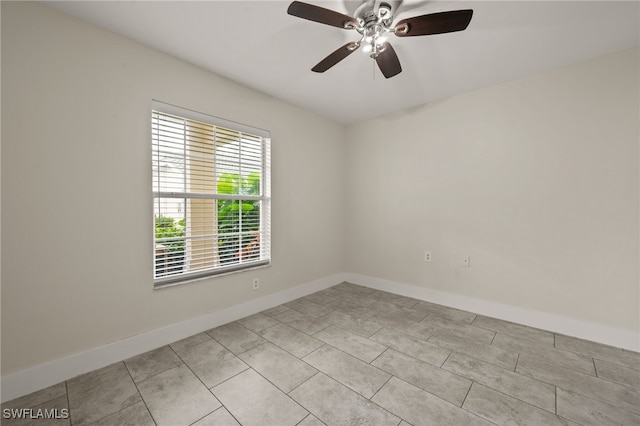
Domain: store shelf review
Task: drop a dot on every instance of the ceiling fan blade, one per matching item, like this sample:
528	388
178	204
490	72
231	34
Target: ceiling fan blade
321	15
434	23
335	57
388	62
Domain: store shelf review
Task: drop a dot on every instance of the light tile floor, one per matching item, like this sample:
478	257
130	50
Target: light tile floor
349	355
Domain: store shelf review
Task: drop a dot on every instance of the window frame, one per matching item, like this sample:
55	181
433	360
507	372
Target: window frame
265	197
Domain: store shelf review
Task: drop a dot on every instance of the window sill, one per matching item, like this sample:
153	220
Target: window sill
215	274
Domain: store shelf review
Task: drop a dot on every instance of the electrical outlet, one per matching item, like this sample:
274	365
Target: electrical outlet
427	256
467	261
256	283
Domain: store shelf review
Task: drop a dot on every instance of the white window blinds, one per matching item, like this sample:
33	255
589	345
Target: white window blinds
211	199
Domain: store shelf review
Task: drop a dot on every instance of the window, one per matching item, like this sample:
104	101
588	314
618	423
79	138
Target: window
211	196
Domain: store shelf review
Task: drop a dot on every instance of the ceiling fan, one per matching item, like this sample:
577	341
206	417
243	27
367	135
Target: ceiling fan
372	20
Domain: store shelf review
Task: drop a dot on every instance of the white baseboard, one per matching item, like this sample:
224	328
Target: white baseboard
41	376
556	323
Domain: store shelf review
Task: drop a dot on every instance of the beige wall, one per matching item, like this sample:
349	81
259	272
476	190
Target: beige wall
76	175
536	180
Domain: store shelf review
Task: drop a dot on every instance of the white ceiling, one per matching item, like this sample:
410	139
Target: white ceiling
259	45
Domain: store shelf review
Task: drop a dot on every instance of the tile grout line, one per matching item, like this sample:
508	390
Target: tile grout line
209	389
305	381
197	420
278	388
445	361
391	376
287	351
497	390
379	355
373	396
193	346
66	391
466	395
225	380
311	413
495	334
517	399
305	418
122	408
139	393
227	410
591	397
229	349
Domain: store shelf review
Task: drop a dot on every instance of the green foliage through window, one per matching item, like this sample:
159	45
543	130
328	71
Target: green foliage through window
238	220
170	236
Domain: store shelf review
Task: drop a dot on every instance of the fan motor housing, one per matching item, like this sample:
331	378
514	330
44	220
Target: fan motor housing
367	13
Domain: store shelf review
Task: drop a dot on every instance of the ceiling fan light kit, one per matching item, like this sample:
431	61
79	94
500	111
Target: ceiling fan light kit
373	21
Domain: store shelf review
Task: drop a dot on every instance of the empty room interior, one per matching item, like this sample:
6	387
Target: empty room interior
431	230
